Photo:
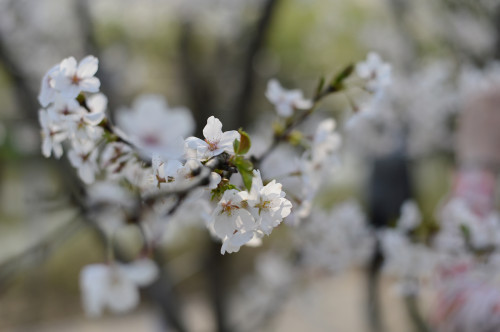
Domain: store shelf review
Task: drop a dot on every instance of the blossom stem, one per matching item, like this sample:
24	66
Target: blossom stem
293	124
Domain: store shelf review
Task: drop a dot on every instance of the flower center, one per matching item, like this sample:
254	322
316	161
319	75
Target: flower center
228	207
75	80
212	146
150	140
263	205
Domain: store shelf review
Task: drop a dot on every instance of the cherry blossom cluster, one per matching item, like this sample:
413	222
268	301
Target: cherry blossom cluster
148	170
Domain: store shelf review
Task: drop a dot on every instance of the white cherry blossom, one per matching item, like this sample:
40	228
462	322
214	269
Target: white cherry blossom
83	156
53	135
375	71
215	141
286	101
115	286
47	92
267	204
114	158
154	127
232	222
74	77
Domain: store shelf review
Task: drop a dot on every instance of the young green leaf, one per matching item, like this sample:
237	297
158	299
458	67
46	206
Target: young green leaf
245	143
338	81
245	168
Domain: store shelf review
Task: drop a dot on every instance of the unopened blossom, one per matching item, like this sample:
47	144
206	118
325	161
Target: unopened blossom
48	93
74	77
96	104
232	222
216	141
53	135
115	286
154	127
267	204
83	156
286	101
375	71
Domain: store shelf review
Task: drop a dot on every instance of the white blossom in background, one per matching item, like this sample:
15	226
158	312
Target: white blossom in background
267	204
410	262
154	127
53	135
164	172
334	240
410	216
376	72
326	142
115	286
286	101
115	158
84	158
483	232
216	141
73	78
468	301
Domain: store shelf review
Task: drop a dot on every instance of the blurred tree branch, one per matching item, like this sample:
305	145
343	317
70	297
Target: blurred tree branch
242	104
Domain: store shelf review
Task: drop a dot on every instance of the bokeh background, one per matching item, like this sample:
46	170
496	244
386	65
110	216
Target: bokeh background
215	57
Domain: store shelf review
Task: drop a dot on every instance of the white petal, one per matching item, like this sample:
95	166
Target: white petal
227	139
93	287
88	66
97	103
122	294
90	84
233	243
142	272
68	66
213	129
94	118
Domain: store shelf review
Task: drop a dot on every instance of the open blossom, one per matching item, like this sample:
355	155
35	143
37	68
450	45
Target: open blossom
326	141
375	71
114	158
232	222
286	101
267	203
115	286
52	135
83	156
47	92
73	78
215	141
154	127
164	172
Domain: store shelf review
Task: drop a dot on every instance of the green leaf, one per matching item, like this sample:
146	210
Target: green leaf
338	81
245	168
245	142
320	86
236	146
218	192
